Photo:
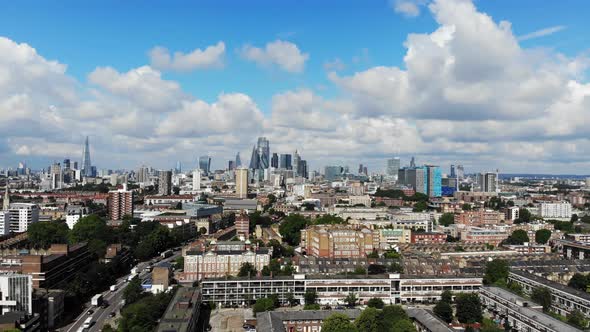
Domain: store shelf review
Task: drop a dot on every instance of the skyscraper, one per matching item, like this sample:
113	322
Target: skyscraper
254	161
231	165
453	172
332	173
86	164
263	152
488	182
120	203
242	183
165	183
285	161
460	172
274	161
238	160
205	164
393	166
303	169
412	162
197	179
178	167
433	181
296	162
414	177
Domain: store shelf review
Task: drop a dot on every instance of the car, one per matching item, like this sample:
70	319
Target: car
112	314
90	312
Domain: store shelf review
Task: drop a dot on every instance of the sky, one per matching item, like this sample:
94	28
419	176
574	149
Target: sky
490	84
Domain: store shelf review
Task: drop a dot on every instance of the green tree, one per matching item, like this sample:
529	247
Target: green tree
368	321
542	296
390	314
468	308
133	291
447	296
291	228
519	236
359	270
524	216
446	219
310	296
496	270
42	234
489	326
145	313
577	319
179	262
338	322
403	325
444	311
94	230
376	303
247	270
263	304
574	218
351	300
542	236
291	299
466	207
515	288
420	206
313	306
579	282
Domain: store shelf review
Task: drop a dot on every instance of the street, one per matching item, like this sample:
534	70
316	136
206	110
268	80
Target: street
113	299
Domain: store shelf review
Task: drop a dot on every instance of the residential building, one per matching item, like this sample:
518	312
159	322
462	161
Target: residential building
479	217
433	180
16	292
120	203
488	182
182	313
74	213
160	278
556	210
428	237
165	183
4	223
339	241
302	320
223	259
425	321
22	215
390	238
242	183
520	314
197	179
392	168
358	200
483	235
511	213
242	224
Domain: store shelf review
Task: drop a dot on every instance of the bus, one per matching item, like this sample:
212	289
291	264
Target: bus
87	323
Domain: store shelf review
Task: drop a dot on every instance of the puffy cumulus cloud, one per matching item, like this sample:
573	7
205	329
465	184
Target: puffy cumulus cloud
408	8
143	86
284	54
210	57
230	113
303	109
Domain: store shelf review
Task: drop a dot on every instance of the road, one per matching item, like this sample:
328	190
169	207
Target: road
113	299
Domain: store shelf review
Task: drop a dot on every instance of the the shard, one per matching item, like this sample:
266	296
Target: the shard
86	164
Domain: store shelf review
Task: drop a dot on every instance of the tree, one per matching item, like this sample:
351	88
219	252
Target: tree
247	270
145	313
579	282
133	292
359	270
179	262
515	288
263	304
468	308
338	323
291	228
42	234
446	219
444	311
489	326
350	300
395	267
466	207
420	206
542	296
376	269
577	319
542	236
376	303
310	296
519	237
292	300
496	270
368	321
390	314
524	216
403	325
574	218
94	230
447	296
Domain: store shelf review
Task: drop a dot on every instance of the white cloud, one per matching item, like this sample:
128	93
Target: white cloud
542	32
408	8
211	57
284	54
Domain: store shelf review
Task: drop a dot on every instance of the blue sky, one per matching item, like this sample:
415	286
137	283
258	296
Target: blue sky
362	35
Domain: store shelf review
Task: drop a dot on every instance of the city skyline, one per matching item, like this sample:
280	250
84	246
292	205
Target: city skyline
409	83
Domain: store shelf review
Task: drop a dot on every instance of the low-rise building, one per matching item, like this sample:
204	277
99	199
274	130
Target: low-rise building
182	312
479	218
426	321
305	321
428	237
339	241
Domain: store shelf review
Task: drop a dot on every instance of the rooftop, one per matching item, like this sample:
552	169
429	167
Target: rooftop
178	316
426	318
552	284
272	321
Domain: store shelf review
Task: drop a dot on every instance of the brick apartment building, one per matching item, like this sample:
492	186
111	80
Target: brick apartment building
339	241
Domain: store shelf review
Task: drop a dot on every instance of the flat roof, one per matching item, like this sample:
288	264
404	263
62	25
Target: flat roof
272	321
175	318
552	284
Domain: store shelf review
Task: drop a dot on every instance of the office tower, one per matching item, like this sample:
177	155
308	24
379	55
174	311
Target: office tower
274	161
433	181
460	172
238	160
17	293
393	166
205	164
56	176
263	153
143	174
120	203
365	170
332	173
75	165
197	179
285	161
412	162
242	183
231	165
303	169
93	171
165	183
86	164
453	172
66	164
296	162
22	215
360	169
413	177
254	162
6	198
488	182
178	167
22	167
